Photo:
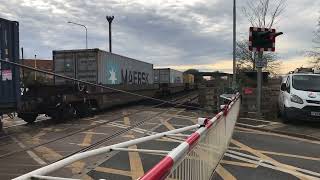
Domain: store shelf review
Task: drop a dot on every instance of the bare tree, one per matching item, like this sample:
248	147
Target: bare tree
247	62
315	52
264	14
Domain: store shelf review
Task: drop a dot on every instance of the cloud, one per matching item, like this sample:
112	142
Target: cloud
176	33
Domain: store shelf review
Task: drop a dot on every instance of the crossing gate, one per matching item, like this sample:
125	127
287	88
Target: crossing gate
196	158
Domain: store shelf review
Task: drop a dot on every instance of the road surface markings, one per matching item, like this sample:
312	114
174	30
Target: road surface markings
87	140
30	153
255	126
134	157
235	163
53	156
113	171
224	174
291	169
252	131
272	165
259	120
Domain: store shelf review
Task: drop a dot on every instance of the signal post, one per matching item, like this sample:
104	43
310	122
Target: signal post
260	40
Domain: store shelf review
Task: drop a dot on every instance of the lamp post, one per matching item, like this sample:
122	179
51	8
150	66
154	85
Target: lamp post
85	29
110	19
35	66
234	81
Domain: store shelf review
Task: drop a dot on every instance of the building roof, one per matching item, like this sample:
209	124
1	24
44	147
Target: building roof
40	64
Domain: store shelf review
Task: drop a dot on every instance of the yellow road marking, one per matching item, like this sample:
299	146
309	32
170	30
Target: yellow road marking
224	174
88	137
129	136
134	157
113	171
239	164
87	140
262	156
51	155
135	164
168	125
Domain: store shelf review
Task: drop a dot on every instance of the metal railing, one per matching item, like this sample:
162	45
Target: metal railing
199	155
195	158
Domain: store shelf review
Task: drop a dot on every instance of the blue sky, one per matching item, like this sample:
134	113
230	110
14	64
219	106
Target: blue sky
176	33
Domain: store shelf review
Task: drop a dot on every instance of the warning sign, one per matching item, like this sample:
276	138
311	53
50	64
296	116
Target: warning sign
6	75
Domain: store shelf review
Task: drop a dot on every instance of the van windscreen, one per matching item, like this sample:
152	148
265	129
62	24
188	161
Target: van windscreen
306	82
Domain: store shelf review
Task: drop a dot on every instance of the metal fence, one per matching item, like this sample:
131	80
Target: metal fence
199	155
195	158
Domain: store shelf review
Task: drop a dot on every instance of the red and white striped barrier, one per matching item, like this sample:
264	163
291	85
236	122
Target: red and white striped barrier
198	156
195	158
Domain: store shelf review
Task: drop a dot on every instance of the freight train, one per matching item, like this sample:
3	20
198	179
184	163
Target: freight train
67	98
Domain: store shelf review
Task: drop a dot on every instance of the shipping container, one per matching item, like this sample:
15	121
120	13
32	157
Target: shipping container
167	75
188	78
9	75
101	67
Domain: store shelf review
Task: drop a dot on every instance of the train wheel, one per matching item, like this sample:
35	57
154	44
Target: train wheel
28	117
64	112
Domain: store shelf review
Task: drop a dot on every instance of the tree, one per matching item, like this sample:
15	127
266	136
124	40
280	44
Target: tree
246	62
315	52
264	14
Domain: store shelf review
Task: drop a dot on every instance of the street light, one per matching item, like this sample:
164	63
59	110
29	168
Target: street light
86	31
110	19
234	81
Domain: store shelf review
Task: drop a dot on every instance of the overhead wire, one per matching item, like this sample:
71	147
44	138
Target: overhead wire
97	85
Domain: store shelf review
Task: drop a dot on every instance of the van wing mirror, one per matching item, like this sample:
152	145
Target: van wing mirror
283	87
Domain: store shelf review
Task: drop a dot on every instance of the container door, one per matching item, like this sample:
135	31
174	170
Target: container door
87	66
64	65
9	75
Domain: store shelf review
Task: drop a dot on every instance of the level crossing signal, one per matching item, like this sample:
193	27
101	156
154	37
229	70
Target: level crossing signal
262	39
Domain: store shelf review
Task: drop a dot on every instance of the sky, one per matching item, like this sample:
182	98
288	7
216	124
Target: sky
180	34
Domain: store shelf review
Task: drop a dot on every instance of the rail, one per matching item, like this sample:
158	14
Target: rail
195	158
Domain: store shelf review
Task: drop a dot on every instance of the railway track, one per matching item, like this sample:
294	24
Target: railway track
180	100
47	123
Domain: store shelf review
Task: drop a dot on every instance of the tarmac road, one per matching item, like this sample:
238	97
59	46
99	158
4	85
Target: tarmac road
287	157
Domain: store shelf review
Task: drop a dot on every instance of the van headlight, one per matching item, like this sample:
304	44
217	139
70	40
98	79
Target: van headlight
296	99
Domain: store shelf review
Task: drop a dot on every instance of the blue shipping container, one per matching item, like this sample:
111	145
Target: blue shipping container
9	75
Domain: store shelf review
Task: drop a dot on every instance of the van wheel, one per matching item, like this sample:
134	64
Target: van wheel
285	118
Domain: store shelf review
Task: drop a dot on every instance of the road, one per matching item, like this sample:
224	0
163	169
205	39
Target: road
27	147
286	153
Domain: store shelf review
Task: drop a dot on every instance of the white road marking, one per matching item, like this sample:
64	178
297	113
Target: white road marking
30	153
248	125
262	162
260	120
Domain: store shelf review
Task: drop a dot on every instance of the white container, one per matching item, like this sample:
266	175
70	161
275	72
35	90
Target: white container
101	67
168	75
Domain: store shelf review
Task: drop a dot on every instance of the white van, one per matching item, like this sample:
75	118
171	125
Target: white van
299	97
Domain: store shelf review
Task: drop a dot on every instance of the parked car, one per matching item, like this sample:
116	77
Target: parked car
299	97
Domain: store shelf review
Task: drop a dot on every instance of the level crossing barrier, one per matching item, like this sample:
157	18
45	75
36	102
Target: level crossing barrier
196	158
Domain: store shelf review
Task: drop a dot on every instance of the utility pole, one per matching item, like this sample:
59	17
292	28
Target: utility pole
259	84
110	19
22	59
234	80
35	66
